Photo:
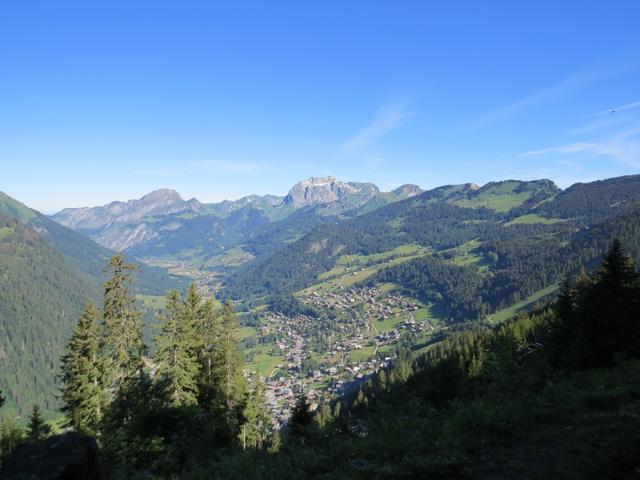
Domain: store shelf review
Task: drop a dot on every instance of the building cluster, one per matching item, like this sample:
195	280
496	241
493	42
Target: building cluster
347	324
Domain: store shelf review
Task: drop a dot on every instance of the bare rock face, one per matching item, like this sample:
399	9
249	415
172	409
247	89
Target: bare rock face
407	191
159	202
162	218
71	456
323	190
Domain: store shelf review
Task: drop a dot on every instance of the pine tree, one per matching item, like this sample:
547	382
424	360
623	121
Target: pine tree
122	343
11	435
256	428
324	415
82	393
234	386
208	331
616	272
301	416
229	383
37	429
177	363
612	310
193	309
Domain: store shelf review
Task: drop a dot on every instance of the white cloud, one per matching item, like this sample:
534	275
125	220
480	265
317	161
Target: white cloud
619	108
595	72
601	124
569	148
623	147
389	118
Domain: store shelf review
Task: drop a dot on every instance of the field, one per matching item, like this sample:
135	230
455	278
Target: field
352	269
469	254
533	218
246	332
507	313
500	198
5	232
155	302
264	363
362	354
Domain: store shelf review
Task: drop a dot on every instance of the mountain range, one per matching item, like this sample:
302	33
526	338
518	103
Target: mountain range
47	273
467	252
164	225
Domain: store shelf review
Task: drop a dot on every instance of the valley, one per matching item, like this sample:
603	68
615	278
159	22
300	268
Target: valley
333	279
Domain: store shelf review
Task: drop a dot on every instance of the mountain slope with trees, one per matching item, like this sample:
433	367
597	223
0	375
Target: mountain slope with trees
551	393
41	296
489	247
47	273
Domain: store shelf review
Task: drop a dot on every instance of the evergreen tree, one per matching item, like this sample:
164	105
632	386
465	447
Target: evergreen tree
609	310
82	393
255	431
324	415
11	435
208	330
227	373
177	363
37	429
122	343
301	416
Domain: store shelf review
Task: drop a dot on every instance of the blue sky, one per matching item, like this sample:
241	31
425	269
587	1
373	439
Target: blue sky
108	100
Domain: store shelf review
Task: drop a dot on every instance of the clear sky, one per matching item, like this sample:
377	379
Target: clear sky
108	100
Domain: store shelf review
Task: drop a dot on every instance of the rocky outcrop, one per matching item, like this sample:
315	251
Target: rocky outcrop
157	218
71	456
406	191
323	190
159	202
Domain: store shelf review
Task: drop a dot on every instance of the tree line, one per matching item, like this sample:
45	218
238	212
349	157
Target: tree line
190	396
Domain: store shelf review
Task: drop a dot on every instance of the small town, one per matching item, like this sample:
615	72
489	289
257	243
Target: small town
355	334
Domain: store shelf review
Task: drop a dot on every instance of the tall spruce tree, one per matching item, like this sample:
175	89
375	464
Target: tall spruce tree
176	357
208	330
301	417
257	426
11	435
82	391
38	428
122	342
232	386
610	310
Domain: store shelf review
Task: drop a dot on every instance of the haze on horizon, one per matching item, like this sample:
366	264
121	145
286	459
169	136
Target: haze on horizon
109	102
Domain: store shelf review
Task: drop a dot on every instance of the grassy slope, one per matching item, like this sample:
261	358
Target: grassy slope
531	300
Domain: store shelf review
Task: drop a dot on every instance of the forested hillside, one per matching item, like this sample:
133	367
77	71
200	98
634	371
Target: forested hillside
41	296
551	393
84	255
488	248
47	273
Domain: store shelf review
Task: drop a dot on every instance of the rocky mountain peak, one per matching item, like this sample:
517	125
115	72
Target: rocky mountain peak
318	190
164	195
407	190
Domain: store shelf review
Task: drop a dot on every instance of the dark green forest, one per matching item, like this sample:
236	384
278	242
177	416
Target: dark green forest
47	273
39	288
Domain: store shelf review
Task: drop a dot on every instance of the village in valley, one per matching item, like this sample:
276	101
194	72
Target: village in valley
352	333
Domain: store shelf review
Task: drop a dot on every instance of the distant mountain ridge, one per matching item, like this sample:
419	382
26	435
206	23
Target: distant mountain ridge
163	223
477	250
